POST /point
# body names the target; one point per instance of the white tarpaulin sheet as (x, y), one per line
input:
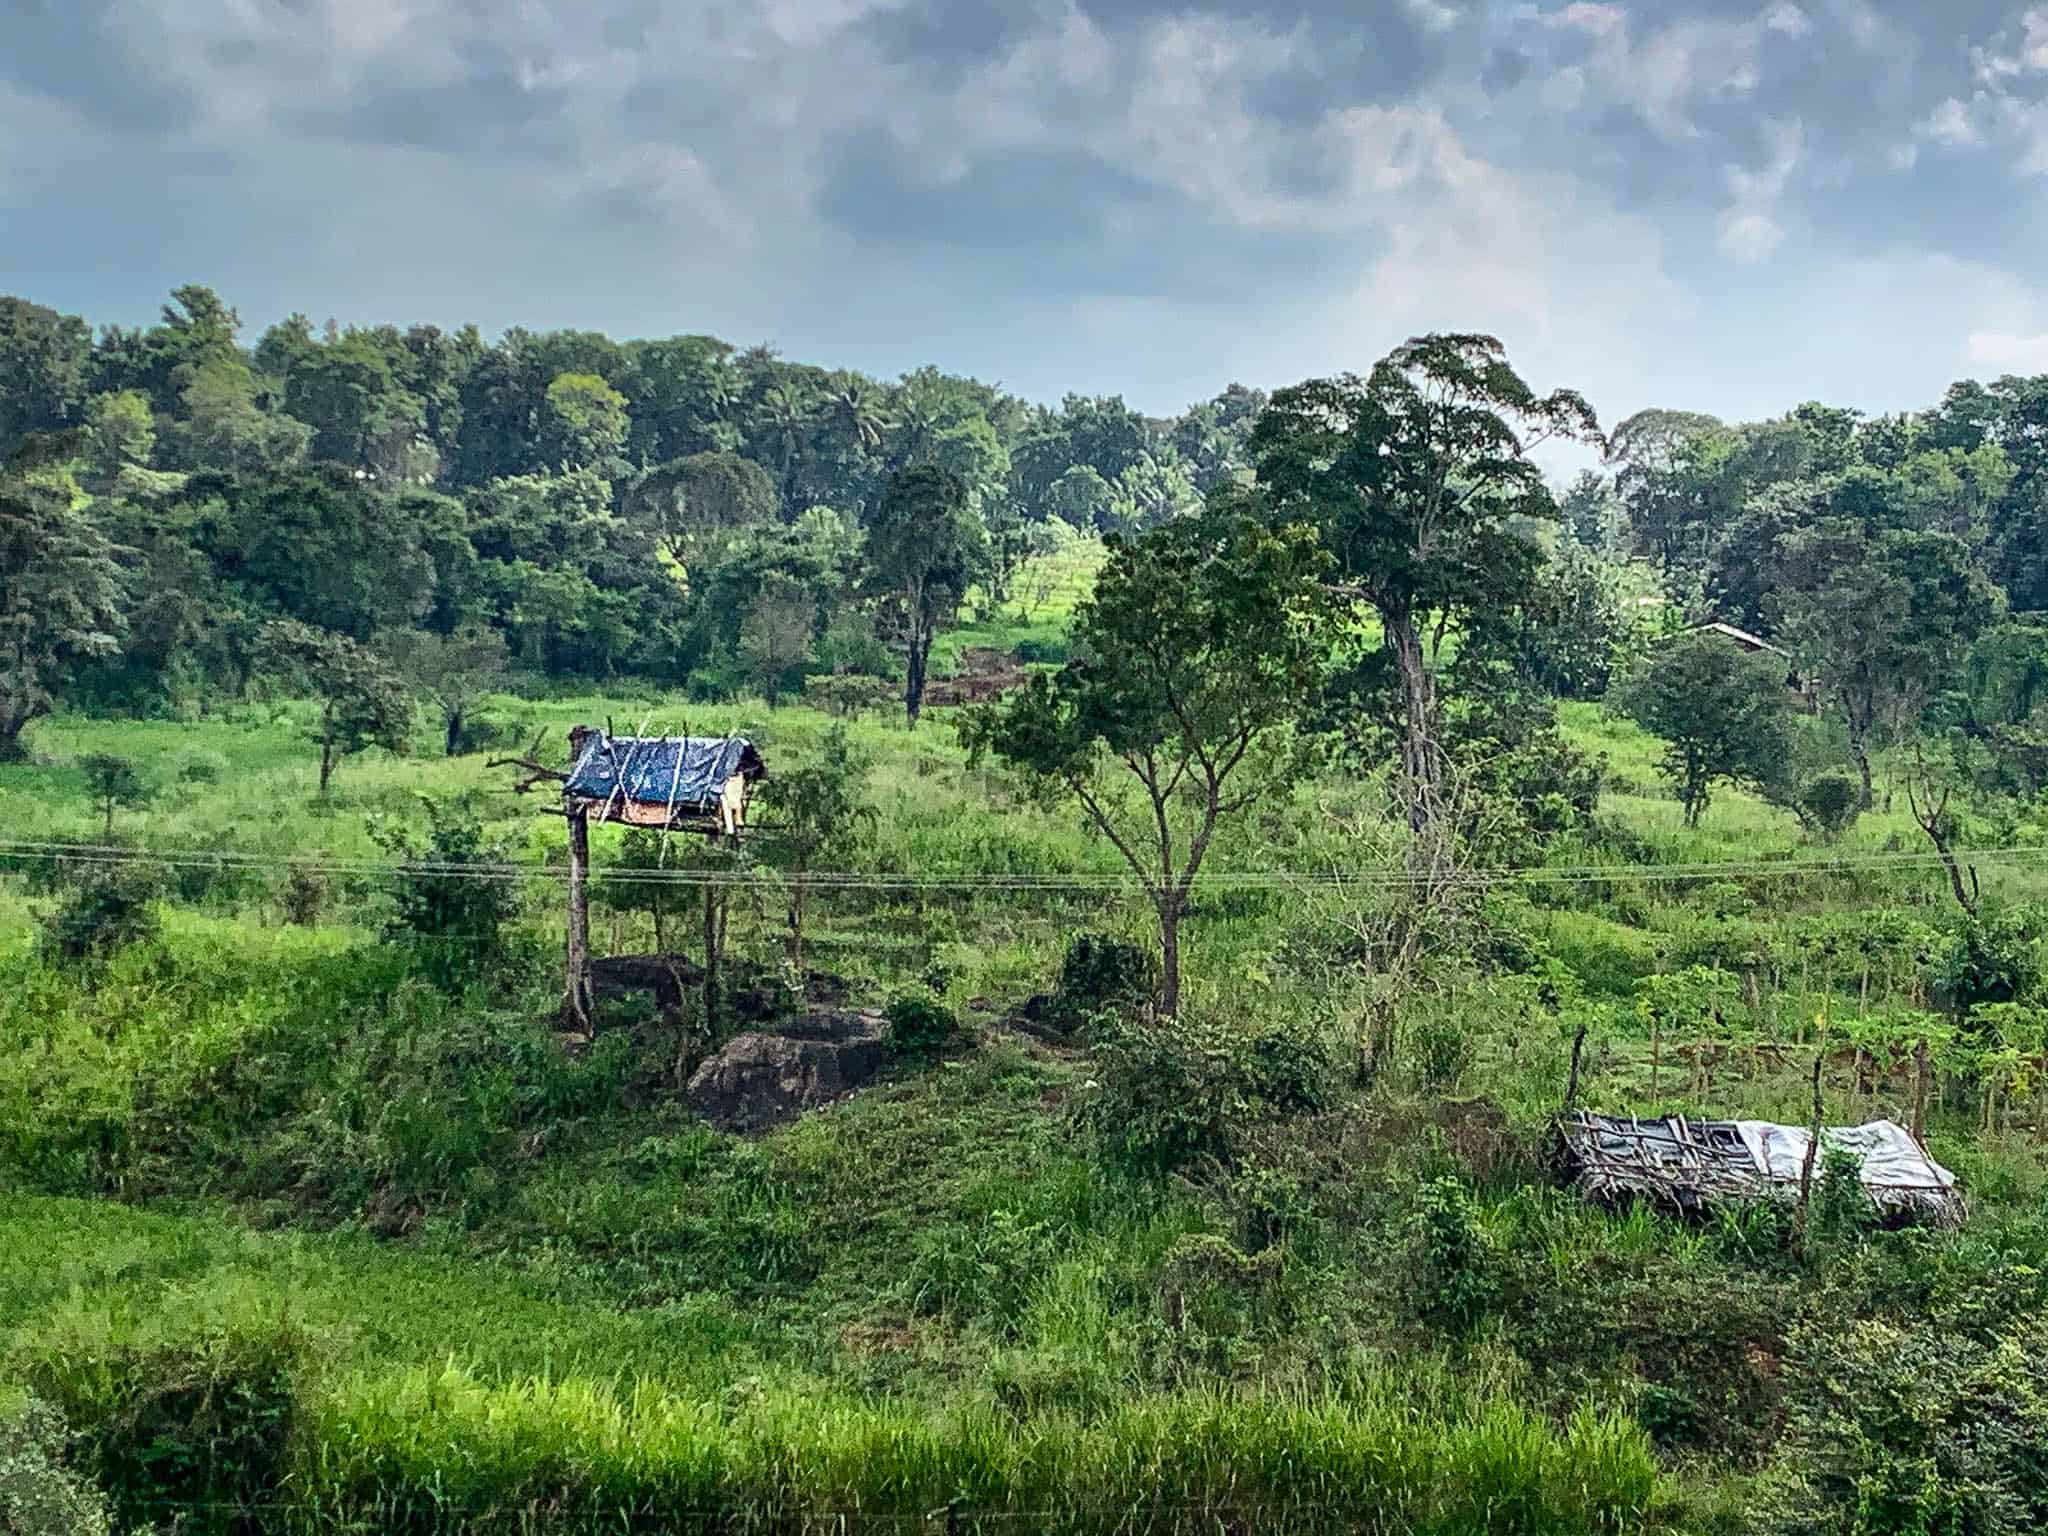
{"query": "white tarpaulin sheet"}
(1890, 1158)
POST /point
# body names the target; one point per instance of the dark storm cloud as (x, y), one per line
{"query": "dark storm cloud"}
(1545, 161)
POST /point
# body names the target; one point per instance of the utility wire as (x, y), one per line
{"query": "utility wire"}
(883, 880)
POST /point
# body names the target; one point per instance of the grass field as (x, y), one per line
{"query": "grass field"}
(299, 1240)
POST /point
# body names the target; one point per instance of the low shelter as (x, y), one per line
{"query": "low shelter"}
(1690, 1165)
(666, 782)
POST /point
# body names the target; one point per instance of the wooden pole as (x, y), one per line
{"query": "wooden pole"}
(1571, 1087)
(578, 956)
(1920, 1075)
(1812, 1144)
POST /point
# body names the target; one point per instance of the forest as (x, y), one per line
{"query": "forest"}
(1122, 1077)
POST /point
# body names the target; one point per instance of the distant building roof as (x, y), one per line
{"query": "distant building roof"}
(1741, 637)
(651, 780)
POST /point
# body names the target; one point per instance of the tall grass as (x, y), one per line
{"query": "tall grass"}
(438, 1451)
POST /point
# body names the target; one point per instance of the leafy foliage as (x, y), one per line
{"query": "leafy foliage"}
(1722, 711)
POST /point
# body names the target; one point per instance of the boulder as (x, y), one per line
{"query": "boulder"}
(767, 1078)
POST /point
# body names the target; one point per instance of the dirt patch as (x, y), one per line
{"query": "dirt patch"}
(1477, 1130)
(983, 674)
(764, 1079)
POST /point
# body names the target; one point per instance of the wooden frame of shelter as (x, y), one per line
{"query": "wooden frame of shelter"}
(1690, 1165)
(668, 783)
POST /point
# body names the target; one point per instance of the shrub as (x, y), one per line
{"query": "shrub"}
(113, 906)
(482, 730)
(1453, 1261)
(39, 1494)
(201, 766)
(1033, 651)
(847, 695)
(173, 1410)
(1177, 1092)
(1101, 972)
(1830, 804)
(920, 1024)
(304, 893)
(444, 901)
(1927, 1429)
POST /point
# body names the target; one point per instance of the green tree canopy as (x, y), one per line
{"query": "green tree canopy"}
(1198, 653)
(1724, 714)
(1414, 476)
(61, 590)
(924, 550)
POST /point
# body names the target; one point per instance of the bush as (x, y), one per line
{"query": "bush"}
(304, 893)
(445, 904)
(1035, 651)
(1830, 804)
(484, 730)
(39, 1494)
(113, 906)
(1926, 1429)
(920, 1024)
(847, 695)
(1453, 1261)
(173, 1410)
(1100, 972)
(1177, 1092)
(201, 766)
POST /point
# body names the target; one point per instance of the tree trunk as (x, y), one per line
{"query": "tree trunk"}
(1169, 954)
(12, 723)
(796, 929)
(920, 651)
(1418, 749)
(326, 764)
(711, 947)
(453, 741)
(1920, 1082)
(578, 956)
(1860, 745)
(110, 819)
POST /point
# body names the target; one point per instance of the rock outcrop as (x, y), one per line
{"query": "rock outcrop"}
(767, 1078)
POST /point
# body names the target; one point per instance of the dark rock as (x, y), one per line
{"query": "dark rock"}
(665, 978)
(761, 1079)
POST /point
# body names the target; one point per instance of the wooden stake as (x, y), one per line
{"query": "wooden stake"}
(578, 957)
(1920, 1075)
(1812, 1145)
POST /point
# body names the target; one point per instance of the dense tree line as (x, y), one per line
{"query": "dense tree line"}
(678, 509)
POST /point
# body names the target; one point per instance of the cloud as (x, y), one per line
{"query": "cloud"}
(1750, 230)
(1218, 185)
(2009, 354)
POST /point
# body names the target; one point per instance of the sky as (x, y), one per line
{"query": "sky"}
(1717, 205)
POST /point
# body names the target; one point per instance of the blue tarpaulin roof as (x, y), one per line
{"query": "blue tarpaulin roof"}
(689, 772)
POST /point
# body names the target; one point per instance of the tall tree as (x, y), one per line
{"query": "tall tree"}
(694, 505)
(1723, 712)
(1201, 650)
(925, 548)
(61, 598)
(1415, 476)
(452, 671)
(1881, 621)
(120, 437)
(584, 425)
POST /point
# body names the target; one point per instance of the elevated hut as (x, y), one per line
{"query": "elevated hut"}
(672, 783)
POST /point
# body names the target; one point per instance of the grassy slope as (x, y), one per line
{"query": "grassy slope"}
(939, 1246)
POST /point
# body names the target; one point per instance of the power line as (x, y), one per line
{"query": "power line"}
(1074, 881)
